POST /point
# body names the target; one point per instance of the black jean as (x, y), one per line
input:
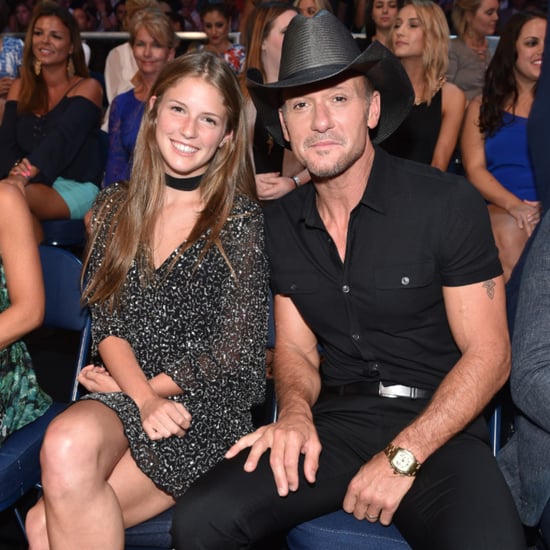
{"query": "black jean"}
(458, 501)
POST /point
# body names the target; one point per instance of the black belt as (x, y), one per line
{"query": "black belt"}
(378, 388)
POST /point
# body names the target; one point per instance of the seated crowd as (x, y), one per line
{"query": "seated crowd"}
(392, 180)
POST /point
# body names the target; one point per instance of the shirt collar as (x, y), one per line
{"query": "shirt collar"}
(375, 196)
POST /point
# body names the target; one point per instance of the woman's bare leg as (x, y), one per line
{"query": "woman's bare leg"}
(92, 488)
(46, 203)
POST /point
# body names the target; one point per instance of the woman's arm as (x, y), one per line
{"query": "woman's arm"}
(19, 252)
(453, 104)
(475, 164)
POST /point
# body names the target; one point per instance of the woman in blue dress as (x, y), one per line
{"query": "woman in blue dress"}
(153, 43)
(494, 140)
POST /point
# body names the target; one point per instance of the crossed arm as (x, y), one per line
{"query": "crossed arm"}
(477, 319)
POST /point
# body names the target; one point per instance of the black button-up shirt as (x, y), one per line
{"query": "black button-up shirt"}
(380, 314)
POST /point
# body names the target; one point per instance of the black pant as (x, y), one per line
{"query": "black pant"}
(458, 501)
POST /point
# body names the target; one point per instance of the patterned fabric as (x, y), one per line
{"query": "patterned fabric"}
(11, 55)
(234, 56)
(21, 399)
(203, 325)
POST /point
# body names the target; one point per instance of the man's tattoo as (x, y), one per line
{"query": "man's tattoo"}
(490, 288)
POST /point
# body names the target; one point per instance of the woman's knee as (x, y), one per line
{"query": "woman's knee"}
(70, 451)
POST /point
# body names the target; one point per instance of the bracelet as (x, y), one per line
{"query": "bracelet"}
(296, 181)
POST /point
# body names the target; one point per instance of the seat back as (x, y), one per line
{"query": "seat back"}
(19, 455)
(62, 272)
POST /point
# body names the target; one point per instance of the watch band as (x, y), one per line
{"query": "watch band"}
(296, 181)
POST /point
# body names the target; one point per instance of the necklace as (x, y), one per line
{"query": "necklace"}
(183, 184)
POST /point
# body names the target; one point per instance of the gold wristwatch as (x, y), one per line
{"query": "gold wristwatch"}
(402, 460)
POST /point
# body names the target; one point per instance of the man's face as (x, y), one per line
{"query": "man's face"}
(328, 127)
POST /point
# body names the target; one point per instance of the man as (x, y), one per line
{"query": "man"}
(390, 266)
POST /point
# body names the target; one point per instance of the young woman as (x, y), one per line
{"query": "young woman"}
(429, 134)
(469, 51)
(494, 140)
(308, 8)
(50, 135)
(153, 43)
(376, 19)
(216, 23)
(21, 310)
(177, 284)
(277, 170)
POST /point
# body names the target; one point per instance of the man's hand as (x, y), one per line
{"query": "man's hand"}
(376, 491)
(292, 435)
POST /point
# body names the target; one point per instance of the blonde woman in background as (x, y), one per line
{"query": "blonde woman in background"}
(470, 51)
(430, 132)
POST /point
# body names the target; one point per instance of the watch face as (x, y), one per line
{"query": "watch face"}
(404, 461)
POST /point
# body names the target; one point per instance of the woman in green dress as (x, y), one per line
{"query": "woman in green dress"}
(21, 310)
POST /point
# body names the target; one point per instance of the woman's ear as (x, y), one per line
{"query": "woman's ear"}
(226, 138)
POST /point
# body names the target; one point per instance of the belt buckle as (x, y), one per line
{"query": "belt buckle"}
(392, 392)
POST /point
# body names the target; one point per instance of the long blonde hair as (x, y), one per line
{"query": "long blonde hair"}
(229, 173)
(435, 55)
(461, 8)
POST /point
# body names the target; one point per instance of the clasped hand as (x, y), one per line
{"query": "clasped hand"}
(160, 417)
(292, 435)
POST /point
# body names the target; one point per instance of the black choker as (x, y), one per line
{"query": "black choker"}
(183, 184)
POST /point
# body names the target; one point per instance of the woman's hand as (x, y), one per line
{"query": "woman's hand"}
(97, 379)
(272, 185)
(162, 418)
(527, 214)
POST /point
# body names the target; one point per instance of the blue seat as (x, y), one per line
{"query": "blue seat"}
(19, 455)
(64, 233)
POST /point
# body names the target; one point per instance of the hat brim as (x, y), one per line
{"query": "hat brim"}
(383, 70)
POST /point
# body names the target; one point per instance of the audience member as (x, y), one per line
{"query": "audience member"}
(153, 42)
(391, 267)
(494, 140)
(120, 15)
(21, 310)
(470, 51)
(216, 23)
(120, 64)
(177, 285)
(11, 54)
(277, 170)
(524, 458)
(50, 135)
(376, 19)
(23, 16)
(190, 16)
(429, 134)
(308, 8)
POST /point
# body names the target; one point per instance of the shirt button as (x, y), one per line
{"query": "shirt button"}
(405, 281)
(345, 289)
(355, 336)
(292, 286)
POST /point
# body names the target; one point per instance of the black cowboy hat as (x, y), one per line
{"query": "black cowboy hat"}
(319, 48)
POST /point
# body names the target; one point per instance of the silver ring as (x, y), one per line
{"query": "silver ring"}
(373, 517)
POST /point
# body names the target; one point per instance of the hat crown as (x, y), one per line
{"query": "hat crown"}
(312, 42)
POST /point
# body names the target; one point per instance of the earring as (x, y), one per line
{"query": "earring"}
(37, 66)
(70, 67)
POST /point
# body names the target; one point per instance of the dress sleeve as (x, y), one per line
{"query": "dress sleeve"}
(228, 366)
(64, 141)
(105, 322)
(9, 150)
(117, 158)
